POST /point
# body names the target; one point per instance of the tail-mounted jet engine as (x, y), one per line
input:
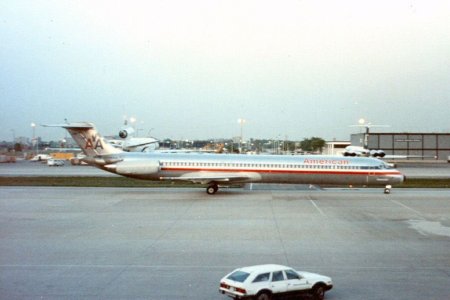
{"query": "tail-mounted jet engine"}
(377, 153)
(124, 133)
(135, 168)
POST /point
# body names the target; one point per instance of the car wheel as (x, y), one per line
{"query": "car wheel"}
(318, 292)
(263, 296)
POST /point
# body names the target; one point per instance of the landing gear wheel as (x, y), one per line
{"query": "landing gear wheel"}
(387, 189)
(212, 189)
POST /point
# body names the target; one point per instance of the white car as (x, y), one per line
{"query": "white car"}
(263, 282)
(55, 163)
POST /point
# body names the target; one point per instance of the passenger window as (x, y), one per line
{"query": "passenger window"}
(277, 276)
(262, 277)
(291, 274)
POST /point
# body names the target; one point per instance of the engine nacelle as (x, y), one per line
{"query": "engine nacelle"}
(377, 153)
(137, 167)
(349, 154)
(124, 133)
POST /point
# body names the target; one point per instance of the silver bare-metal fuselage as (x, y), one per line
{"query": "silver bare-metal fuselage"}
(203, 168)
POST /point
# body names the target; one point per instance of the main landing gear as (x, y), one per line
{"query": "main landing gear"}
(212, 189)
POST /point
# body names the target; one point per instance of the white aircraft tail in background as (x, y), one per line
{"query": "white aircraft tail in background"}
(129, 143)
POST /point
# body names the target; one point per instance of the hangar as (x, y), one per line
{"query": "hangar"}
(427, 146)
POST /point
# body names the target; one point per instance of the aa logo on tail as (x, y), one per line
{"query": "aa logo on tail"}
(93, 143)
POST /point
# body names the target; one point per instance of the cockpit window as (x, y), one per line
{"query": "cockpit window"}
(385, 166)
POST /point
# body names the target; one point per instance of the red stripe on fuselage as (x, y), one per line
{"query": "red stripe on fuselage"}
(272, 171)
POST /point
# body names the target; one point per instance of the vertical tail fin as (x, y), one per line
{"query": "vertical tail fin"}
(89, 140)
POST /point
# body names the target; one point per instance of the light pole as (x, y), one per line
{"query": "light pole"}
(241, 122)
(133, 121)
(33, 141)
(14, 138)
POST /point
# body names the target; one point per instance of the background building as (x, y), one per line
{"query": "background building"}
(430, 146)
(335, 147)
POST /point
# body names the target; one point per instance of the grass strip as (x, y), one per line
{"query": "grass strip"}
(98, 181)
(442, 183)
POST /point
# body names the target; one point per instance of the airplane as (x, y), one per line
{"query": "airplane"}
(226, 169)
(134, 144)
(361, 151)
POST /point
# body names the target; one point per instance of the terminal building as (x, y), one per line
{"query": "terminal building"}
(422, 146)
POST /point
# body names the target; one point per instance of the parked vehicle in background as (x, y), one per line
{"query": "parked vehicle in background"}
(264, 282)
(78, 160)
(7, 159)
(55, 162)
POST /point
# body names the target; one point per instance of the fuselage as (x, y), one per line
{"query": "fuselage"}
(315, 169)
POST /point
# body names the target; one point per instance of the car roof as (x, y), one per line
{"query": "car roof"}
(263, 268)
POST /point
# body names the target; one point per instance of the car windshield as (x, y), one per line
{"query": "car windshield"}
(238, 276)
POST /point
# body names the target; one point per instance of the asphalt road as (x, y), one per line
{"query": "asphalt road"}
(28, 168)
(117, 243)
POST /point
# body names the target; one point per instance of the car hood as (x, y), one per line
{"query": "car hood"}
(315, 277)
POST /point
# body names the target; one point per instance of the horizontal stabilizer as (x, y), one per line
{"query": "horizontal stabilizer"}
(79, 125)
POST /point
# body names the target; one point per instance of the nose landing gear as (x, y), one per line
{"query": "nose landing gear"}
(387, 189)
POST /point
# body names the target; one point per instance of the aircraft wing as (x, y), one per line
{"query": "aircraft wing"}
(219, 177)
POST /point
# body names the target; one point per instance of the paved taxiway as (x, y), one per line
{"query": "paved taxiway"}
(117, 243)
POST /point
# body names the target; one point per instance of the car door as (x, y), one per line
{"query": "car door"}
(295, 283)
(279, 283)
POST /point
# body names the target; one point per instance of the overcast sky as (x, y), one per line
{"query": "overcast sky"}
(191, 69)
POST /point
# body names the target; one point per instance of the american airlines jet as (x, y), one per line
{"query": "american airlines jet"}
(225, 169)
